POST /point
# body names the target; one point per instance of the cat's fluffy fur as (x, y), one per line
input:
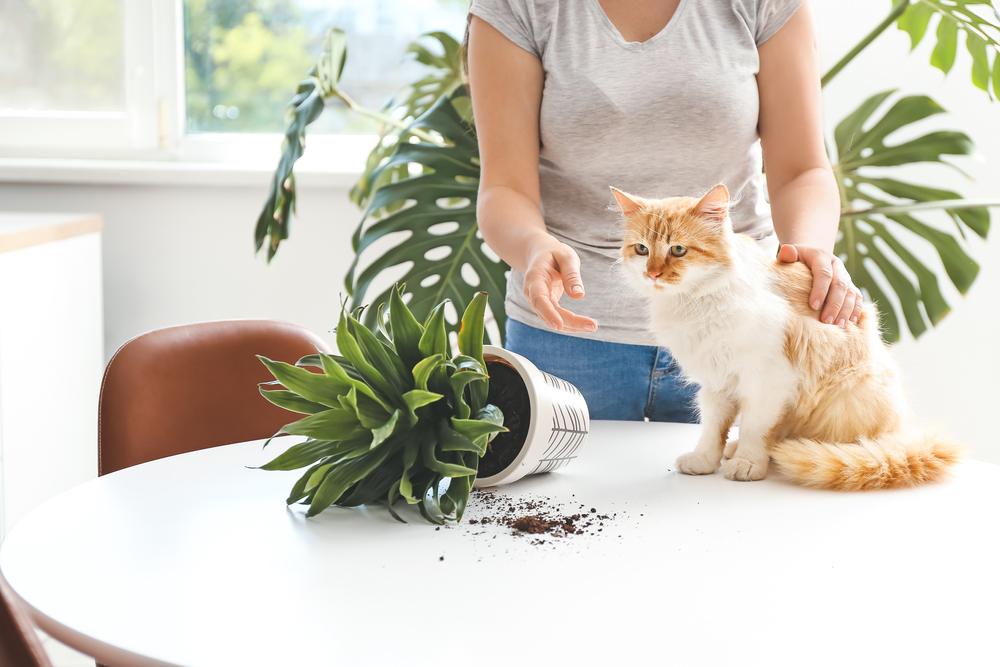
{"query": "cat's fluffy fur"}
(823, 402)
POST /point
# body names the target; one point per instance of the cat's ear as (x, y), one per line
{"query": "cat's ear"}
(714, 205)
(629, 204)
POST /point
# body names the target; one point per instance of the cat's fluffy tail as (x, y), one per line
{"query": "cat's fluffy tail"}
(890, 461)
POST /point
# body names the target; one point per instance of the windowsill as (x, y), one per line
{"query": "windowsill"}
(202, 160)
(162, 173)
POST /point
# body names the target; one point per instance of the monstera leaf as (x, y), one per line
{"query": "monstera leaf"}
(306, 106)
(978, 21)
(428, 220)
(315, 93)
(441, 54)
(881, 210)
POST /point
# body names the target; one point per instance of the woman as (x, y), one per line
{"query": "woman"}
(658, 98)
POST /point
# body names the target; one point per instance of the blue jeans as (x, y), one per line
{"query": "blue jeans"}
(619, 381)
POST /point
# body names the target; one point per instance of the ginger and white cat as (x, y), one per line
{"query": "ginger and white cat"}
(823, 402)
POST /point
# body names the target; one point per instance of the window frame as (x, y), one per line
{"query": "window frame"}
(140, 127)
(152, 126)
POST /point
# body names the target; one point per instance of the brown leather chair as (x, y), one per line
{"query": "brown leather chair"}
(191, 387)
(19, 645)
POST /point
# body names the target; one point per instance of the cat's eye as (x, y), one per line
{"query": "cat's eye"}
(678, 250)
(640, 249)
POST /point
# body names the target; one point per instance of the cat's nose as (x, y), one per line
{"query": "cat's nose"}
(654, 273)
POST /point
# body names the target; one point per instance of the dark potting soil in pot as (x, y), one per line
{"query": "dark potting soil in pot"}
(509, 393)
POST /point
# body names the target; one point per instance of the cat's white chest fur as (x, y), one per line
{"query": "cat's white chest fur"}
(729, 339)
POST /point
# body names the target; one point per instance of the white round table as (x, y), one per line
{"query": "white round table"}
(194, 560)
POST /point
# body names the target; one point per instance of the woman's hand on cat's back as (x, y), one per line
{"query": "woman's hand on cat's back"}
(554, 270)
(832, 287)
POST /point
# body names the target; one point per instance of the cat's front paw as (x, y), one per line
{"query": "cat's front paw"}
(743, 469)
(697, 463)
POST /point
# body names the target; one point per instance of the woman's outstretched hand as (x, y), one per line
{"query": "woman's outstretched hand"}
(832, 289)
(554, 270)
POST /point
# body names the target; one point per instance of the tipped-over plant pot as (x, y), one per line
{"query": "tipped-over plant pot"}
(546, 419)
(400, 415)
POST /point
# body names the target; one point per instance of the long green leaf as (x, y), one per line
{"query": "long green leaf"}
(385, 431)
(301, 455)
(456, 498)
(422, 372)
(451, 440)
(472, 331)
(418, 398)
(351, 349)
(411, 449)
(343, 476)
(299, 489)
(310, 386)
(431, 461)
(335, 368)
(434, 340)
(382, 356)
(474, 428)
(332, 424)
(370, 413)
(291, 401)
(406, 330)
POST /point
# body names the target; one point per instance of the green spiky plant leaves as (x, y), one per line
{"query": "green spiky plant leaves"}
(397, 416)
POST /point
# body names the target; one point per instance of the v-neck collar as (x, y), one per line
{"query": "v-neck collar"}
(620, 39)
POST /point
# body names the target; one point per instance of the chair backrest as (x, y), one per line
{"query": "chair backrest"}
(191, 387)
(19, 645)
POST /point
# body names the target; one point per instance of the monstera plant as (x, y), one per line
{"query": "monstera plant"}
(421, 177)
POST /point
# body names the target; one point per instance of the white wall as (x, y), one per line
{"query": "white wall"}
(952, 371)
(180, 254)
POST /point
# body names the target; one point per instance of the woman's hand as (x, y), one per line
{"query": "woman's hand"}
(832, 288)
(553, 270)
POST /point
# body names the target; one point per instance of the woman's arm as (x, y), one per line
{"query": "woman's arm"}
(805, 202)
(506, 83)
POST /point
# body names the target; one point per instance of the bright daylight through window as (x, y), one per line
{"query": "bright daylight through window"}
(62, 55)
(125, 74)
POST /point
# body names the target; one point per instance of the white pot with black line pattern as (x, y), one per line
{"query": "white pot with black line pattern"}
(547, 418)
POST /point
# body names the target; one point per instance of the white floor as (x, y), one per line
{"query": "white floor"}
(62, 655)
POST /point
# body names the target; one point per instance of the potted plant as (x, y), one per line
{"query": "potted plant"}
(398, 415)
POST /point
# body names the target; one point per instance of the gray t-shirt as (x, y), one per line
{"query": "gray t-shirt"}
(673, 115)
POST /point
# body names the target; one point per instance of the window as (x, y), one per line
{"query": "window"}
(77, 73)
(148, 77)
(242, 58)
(63, 55)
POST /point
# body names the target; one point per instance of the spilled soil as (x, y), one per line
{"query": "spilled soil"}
(537, 517)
